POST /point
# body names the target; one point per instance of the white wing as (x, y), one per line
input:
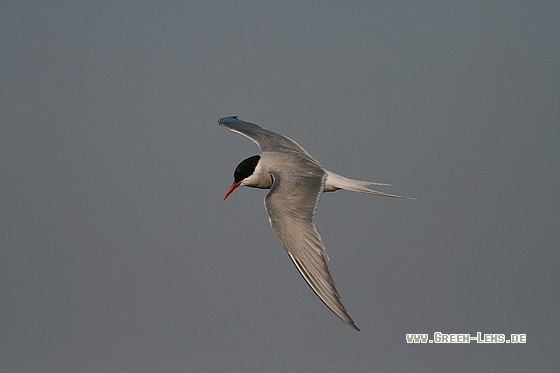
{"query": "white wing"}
(265, 139)
(291, 205)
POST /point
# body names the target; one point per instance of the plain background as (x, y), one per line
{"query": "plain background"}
(118, 255)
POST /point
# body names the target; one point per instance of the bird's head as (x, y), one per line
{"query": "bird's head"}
(242, 172)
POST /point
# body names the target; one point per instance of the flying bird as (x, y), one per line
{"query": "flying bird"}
(296, 182)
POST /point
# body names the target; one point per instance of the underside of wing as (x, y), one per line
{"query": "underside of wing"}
(291, 205)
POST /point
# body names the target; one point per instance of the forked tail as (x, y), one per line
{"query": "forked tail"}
(335, 182)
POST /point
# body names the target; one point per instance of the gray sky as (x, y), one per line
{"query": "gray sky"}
(118, 255)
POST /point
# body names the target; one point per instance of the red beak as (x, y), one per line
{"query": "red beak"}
(231, 189)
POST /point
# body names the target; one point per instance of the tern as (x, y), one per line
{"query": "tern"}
(296, 182)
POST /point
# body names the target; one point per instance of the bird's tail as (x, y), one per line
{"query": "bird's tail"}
(335, 182)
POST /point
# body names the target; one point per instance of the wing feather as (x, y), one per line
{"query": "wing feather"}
(291, 205)
(265, 139)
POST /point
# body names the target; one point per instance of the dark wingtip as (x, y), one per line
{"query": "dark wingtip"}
(224, 120)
